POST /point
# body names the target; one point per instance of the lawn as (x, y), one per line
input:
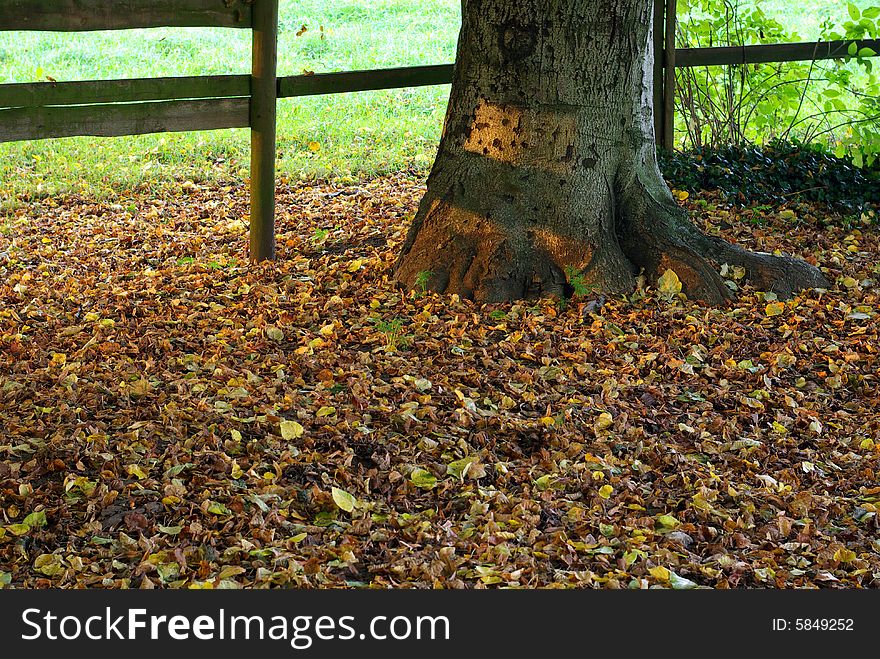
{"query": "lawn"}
(359, 134)
(174, 417)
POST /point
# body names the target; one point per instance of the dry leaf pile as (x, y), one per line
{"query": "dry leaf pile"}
(175, 417)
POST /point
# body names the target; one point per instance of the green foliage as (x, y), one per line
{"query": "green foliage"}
(775, 173)
(422, 280)
(393, 332)
(577, 281)
(831, 103)
(576, 286)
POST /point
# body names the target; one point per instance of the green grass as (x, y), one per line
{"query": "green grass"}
(359, 134)
(805, 18)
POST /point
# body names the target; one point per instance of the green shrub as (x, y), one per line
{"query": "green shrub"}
(831, 103)
(775, 173)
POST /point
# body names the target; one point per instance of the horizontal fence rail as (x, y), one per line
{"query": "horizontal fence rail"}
(37, 94)
(91, 92)
(359, 81)
(84, 15)
(95, 93)
(768, 53)
(39, 110)
(116, 119)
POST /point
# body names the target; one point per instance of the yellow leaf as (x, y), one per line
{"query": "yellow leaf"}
(660, 573)
(606, 491)
(314, 147)
(604, 421)
(343, 499)
(423, 478)
(274, 333)
(136, 471)
(326, 411)
(546, 481)
(547, 420)
(218, 509)
(668, 521)
(48, 564)
(291, 430)
(775, 309)
(844, 555)
(355, 265)
(681, 195)
(231, 571)
(669, 284)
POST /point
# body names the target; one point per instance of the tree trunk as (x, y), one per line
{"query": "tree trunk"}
(547, 166)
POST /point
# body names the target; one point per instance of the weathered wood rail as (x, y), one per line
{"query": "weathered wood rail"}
(40, 110)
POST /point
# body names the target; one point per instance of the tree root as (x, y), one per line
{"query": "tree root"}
(658, 235)
(454, 250)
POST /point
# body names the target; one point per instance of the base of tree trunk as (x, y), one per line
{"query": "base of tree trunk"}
(453, 249)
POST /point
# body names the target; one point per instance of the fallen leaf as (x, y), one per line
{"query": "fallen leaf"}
(343, 499)
(669, 285)
(291, 430)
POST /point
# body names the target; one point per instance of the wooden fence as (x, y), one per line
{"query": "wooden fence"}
(32, 111)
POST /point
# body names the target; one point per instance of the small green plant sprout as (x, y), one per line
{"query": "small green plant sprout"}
(577, 282)
(759, 215)
(393, 332)
(422, 280)
(320, 235)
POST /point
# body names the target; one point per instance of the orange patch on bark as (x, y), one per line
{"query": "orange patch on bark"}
(529, 137)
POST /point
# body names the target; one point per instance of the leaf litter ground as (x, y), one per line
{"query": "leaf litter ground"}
(175, 417)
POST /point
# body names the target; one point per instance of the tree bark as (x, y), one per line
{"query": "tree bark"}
(547, 166)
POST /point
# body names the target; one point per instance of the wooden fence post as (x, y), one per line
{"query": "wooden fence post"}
(659, 76)
(264, 94)
(669, 81)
